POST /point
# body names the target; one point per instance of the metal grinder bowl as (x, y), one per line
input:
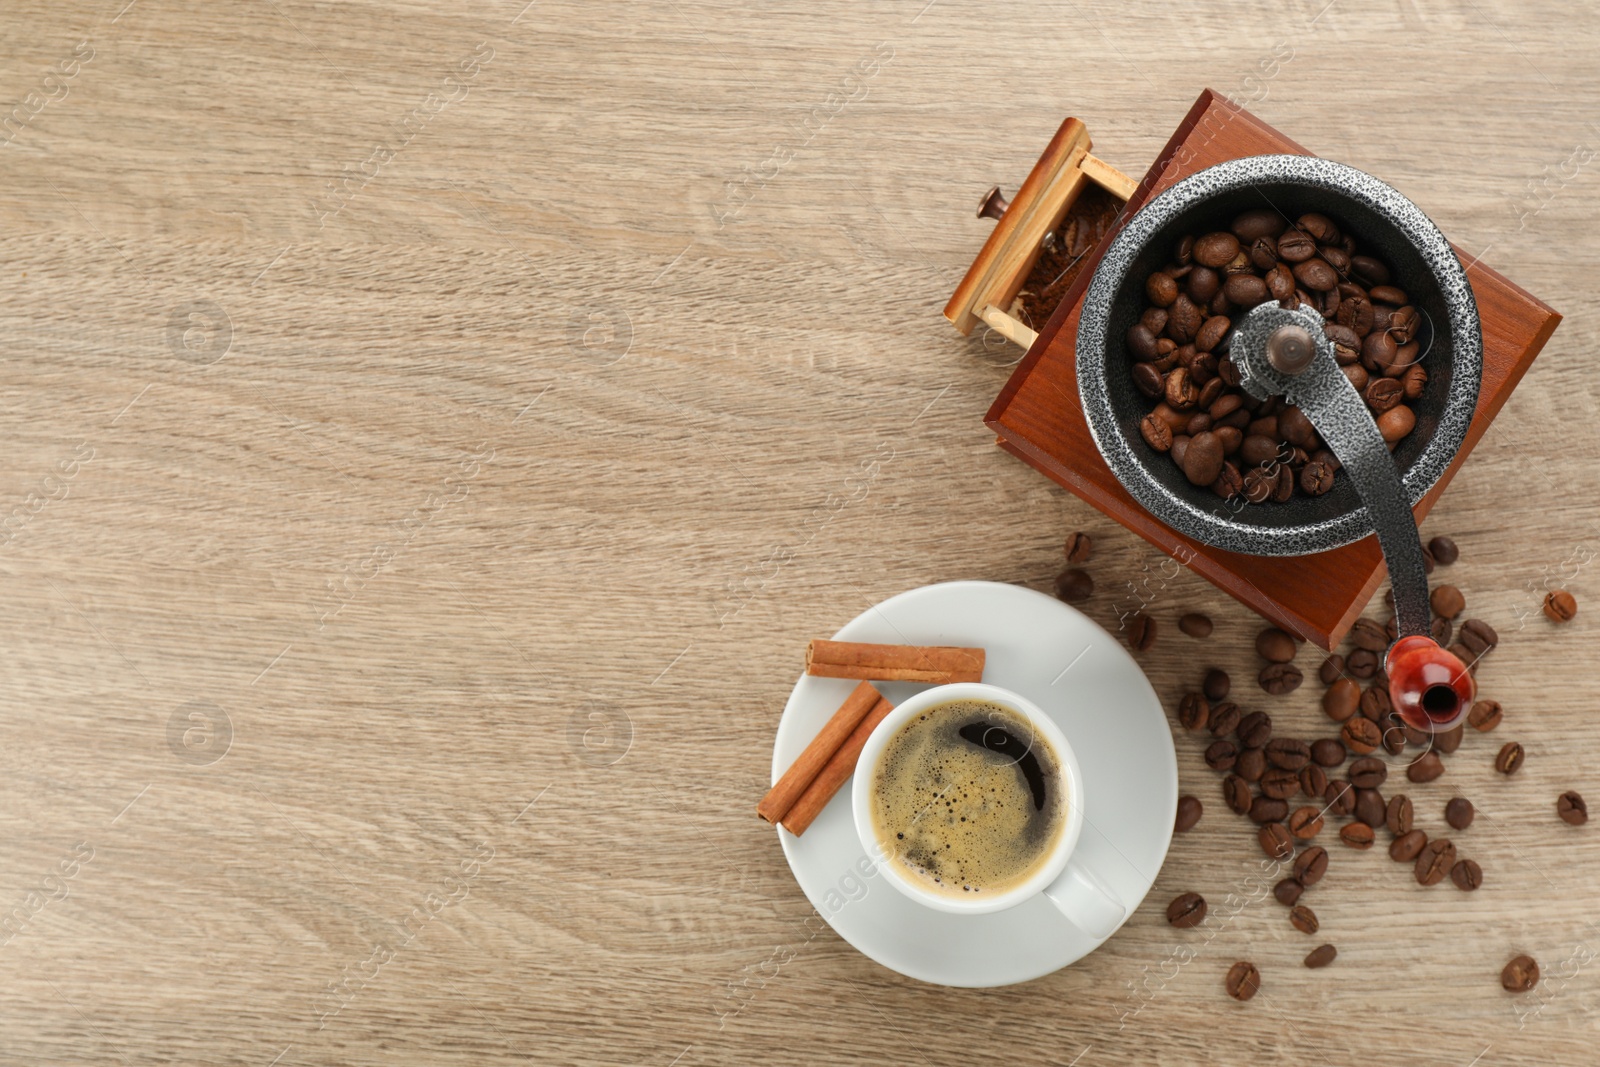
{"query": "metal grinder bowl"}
(1385, 224)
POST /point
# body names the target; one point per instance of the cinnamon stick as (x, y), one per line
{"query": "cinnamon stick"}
(894, 663)
(804, 770)
(835, 773)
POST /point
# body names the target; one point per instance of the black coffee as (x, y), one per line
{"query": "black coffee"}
(967, 798)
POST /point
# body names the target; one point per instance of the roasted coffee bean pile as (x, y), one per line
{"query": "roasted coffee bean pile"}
(1338, 778)
(1219, 435)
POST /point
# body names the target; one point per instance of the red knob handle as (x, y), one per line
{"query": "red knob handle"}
(1429, 687)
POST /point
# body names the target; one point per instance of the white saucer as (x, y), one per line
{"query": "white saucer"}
(1086, 681)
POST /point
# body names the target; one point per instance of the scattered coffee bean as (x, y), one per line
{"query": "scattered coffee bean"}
(1195, 625)
(1519, 976)
(1467, 875)
(1193, 711)
(1221, 755)
(1313, 780)
(1399, 815)
(1216, 684)
(1394, 734)
(1288, 753)
(1331, 670)
(1186, 910)
(1280, 678)
(1371, 807)
(1435, 861)
(1449, 740)
(1478, 637)
(1408, 846)
(1459, 813)
(1425, 768)
(1356, 835)
(1572, 809)
(1268, 809)
(1361, 735)
(1305, 823)
(1447, 600)
(1362, 664)
(1189, 809)
(1287, 892)
(1275, 645)
(1303, 919)
(1327, 752)
(1485, 715)
(1375, 703)
(1224, 718)
(1079, 548)
(1340, 797)
(1074, 585)
(1342, 699)
(1280, 784)
(1510, 758)
(1251, 765)
(1321, 956)
(1311, 865)
(1368, 772)
(1444, 550)
(1369, 635)
(1560, 606)
(1255, 729)
(1275, 841)
(1141, 632)
(1243, 981)
(1236, 794)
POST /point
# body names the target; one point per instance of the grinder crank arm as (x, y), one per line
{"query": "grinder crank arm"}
(1283, 352)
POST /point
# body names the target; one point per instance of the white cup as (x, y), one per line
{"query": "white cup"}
(1081, 895)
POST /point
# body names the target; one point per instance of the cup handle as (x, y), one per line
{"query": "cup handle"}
(1087, 902)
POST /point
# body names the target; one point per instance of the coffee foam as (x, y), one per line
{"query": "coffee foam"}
(956, 814)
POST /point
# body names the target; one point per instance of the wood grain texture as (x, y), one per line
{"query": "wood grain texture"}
(554, 407)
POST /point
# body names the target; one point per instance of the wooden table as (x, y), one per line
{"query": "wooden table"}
(433, 435)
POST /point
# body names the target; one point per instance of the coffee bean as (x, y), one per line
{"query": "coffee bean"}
(1383, 394)
(1243, 981)
(1216, 684)
(1415, 380)
(1342, 699)
(1510, 758)
(1316, 478)
(1074, 585)
(1305, 823)
(1255, 729)
(1408, 846)
(1186, 910)
(1327, 752)
(1193, 711)
(1288, 753)
(1195, 625)
(1399, 815)
(1449, 740)
(1361, 735)
(1444, 550)
(1313, 780)
(1572, 809)
(1370, 807)
(1221, 755)
(1361, 663)
(1275, 645)
(1560, 606)
(1189, 809)
(1356, 835)
(1478, 636)
(1331, 669)
(1447, 600)
(1079, 547)
(1303, 919)
(1245, 290)
(1252, 765)
(1266, 809)
(1250, 226)
(1467, 875)
(1485, 715)
(1369, 635)
(1340, 797)
(1275, 841)
(1215, 249)
(1156, 433)
(1296, 246)
(1425, 768)
(1280, 678)
(1434, 861)
(1519, 976)
(1224, 718)
(1375, 704)
(1279, 784)
(1161, 288)
(1311, 865)
(1287, 892)
(1368, 772)
(1458, 813)
(1321, 956)
(1141, 632)
(1236, 792)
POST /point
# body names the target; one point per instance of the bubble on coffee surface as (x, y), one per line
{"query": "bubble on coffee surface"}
(968, 798)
